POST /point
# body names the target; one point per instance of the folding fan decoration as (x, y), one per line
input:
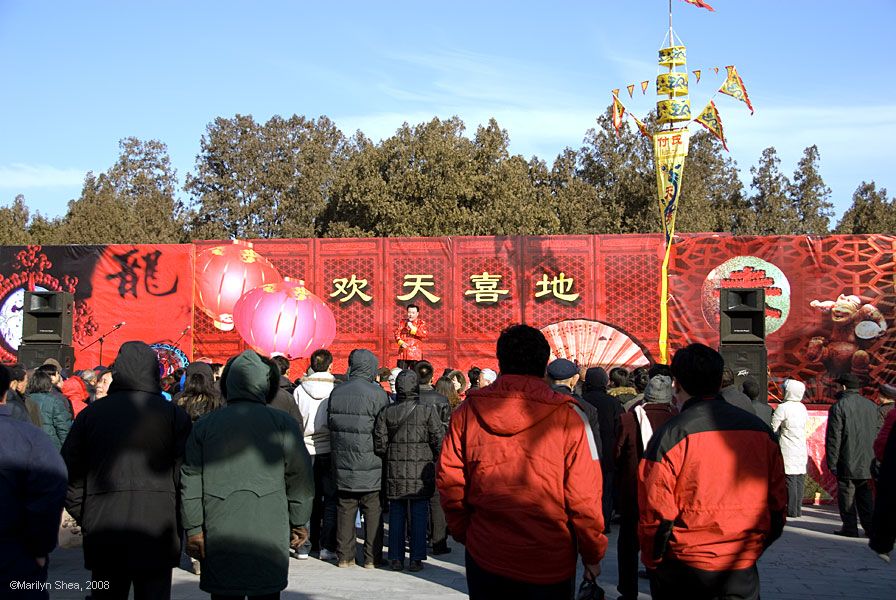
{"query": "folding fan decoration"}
(593, 344)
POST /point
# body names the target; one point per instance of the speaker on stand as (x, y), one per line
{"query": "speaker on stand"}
(742, 334)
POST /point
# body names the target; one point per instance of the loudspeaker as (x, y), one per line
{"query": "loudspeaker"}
(48, 318)
(742, 316)
(746, 360)
(32, 356)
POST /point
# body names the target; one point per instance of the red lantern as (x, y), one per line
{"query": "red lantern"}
(286, 318)
(224, 274)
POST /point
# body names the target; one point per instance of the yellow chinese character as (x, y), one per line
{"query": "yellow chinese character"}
(349, 288)
(485, 288)
(418, 285)
(559, 287)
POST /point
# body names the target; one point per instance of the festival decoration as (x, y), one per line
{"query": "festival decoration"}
(670, 143)
(734, 87)
(284, 317)
(854, 327)
(712, 121)
(224, 274)
(631, 89)
(644, 85)
(593, 344)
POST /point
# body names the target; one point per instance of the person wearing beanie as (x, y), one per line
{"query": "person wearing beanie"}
(487, 377)
(562, 375)
(849, 449)
(635, 431)
(789, 424)
(246, 485)
(609, 410)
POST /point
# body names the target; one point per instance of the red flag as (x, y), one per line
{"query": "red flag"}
(701, 4)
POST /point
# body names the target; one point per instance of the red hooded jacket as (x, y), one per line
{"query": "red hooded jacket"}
(75, 390)
(520, 482)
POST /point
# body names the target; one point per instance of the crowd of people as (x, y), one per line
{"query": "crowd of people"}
(239, 468)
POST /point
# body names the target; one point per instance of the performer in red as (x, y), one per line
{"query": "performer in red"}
(411, 331)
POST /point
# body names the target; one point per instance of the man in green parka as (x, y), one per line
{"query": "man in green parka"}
(246, 486)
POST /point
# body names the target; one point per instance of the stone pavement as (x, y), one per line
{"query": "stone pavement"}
(807, 562)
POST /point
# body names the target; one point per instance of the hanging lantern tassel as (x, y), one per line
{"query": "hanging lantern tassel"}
(284, 317)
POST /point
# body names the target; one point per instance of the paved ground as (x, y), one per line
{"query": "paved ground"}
(807, 562)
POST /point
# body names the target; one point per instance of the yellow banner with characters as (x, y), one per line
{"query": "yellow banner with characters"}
(670, 149)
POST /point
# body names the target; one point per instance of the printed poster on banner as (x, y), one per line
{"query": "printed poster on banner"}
(670, 149)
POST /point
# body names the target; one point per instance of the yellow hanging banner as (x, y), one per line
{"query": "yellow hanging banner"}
(669, 150)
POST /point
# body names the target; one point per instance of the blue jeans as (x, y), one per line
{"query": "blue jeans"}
(398, 512)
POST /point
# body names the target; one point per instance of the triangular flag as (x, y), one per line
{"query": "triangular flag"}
(716, 69)
(631, 90)
(734, 87)
(697, 73)
(641, 127)
(711, 119)
(616, 92)
(701, 4)
(644, 86)
(618, 112)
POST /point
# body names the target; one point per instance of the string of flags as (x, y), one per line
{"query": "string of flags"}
(709, 117)
(645, 85)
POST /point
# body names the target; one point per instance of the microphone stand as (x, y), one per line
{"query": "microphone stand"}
(101, 339)
(182, 334)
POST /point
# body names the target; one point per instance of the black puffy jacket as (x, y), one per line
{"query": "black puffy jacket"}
(409, 436)
(849, 440)
(432, 398)
(351, 416)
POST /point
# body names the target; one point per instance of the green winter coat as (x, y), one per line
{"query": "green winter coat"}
(245, 481)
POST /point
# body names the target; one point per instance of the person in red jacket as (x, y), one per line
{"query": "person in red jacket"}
(519, 480)
(711, 493)
(408, 335)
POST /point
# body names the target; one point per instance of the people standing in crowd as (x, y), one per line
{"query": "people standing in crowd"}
(703, 525)
(200, 395)
(55, 416)
(789, 424)
(473, 377)
(32, 491)
(409, 335)
(639, 379)
(562, 375)
(887, 397)
(886, 400)
(408, 436)
(460, 382)
(246, 486)
(852, 427)
(430, 397)
(103, 381)
(732, 394)
(283, 364)
(312, 396)
(353, 409)
(609, 411)
(523, 516)
(88, 376)
(758, 399)
(445, 387)
(636, 429)
(123, 456)
(620, 386)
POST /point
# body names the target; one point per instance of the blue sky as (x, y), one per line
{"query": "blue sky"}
(79, 76)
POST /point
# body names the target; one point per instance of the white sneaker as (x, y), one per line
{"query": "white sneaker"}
(302, 555)
(327, 555)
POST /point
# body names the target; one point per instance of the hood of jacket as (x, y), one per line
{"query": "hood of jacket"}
(514, 403)
(794, 390)
(362, 363)
(596, 379)
(75, 389)
(136, 368)
(247, 377)
(318, 385)
(406, 387)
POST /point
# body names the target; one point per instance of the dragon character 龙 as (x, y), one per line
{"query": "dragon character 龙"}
(854, 326)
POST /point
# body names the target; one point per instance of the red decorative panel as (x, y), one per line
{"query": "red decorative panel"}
(549, 265)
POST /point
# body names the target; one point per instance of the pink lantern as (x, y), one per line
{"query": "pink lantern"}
(284, 317)
(224, 274)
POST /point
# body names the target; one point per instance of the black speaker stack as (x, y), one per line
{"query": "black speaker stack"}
(47, 329)
(742, 334)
